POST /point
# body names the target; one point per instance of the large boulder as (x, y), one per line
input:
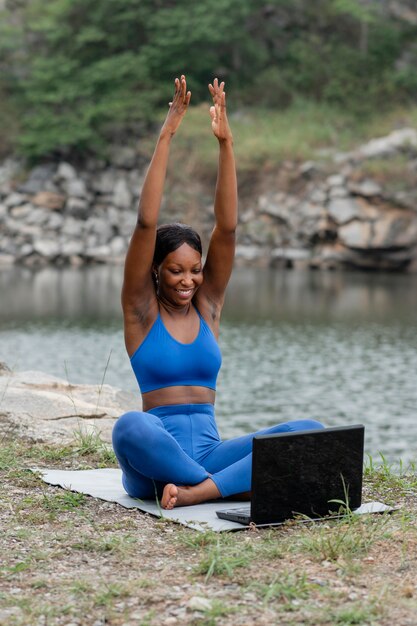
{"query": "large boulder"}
(40, 407)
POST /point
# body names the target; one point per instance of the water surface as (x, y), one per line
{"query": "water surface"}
(339, 347)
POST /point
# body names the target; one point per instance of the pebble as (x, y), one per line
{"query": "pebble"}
(196, 603)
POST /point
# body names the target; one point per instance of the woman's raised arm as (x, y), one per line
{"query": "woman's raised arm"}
(137, 286)
(220, 255)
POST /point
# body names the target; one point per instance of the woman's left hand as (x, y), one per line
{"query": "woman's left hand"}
(219, 122)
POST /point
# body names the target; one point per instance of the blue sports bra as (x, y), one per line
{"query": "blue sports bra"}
(162, 361)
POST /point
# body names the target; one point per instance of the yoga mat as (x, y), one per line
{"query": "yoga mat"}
(106, 484)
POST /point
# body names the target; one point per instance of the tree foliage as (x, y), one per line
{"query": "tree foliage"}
(82, 72)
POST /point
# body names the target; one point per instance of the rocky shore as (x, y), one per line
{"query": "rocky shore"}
(356, 209)
(38, 407)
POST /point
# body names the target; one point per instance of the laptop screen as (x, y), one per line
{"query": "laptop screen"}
(302, 472)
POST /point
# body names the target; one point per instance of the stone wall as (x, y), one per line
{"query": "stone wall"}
(327, 213)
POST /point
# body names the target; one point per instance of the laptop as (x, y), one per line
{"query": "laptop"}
(305, 473)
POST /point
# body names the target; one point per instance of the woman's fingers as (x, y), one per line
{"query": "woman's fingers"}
(216, 90)
(181, 95)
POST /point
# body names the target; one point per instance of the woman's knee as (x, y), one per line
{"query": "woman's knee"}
(129, 426)
(306, 424)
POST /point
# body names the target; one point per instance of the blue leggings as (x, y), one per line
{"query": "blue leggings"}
(180, 444)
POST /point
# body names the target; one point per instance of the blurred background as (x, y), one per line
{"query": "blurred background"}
(321, 313)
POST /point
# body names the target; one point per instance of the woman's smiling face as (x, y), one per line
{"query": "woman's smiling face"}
(180, 275)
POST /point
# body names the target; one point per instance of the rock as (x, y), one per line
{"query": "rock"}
(404, 138)
(71, 227)
(127, 223)
(395, 229)
(38, 216)
(406, 199)
(38, 178)
(336, 180)
(49, 200)
(308, 168)
(123, 156)
(290, 257)
(72, 248)
(338, 192)
(15, 199)
(366, 188)
(48, 248)
(118, 246)
(104, 182)
(101, 254)
(356, 234)
(55, 221)
(249, 252)
(343, 210)
(122, 197)
(65, 171)
(40, 407)
(99, 227)
(318, 196)
(8, 169)
(21, 212)
(76, 188)
(113, 216)
(197, 603)
(77, 207)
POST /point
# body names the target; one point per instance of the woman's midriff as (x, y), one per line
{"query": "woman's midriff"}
(177, 395)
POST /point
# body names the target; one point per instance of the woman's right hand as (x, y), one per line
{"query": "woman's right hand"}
(178, 106)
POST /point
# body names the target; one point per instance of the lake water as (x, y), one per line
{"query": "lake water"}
(339, 347)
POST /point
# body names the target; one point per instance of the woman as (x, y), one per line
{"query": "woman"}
(172, 306)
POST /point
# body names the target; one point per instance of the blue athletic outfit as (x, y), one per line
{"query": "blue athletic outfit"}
(180, 443)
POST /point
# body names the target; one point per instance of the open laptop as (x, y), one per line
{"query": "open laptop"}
(301, 473)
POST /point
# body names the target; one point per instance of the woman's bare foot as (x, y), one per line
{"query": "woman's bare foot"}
(174, 495)
(169, 496)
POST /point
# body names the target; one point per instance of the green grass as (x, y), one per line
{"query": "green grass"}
(266, 138)
(223, 557)
(284, 587)
(125, 567)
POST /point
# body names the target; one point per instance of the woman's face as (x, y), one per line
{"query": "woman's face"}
(180, 275)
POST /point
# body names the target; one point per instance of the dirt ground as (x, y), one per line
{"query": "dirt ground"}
(68, 559)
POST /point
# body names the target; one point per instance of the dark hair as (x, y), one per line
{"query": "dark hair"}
(169, 237)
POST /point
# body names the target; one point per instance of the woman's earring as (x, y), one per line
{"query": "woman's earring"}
(155, 274)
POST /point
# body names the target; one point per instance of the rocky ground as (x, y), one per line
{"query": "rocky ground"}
(68, 559)
(72, 560)
(356, 209)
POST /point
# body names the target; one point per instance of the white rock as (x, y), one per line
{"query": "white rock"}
(366, 188)
(76, 188)
(338, 192)
(343, 210)
(118, 246)
(336, 180)
(65, 171)
(41, 407)
(73, 247)
(122, 196)
(356, 234)
(398, 139)
(249, 253)
(197, 603)
(15, 199)
(48, 248)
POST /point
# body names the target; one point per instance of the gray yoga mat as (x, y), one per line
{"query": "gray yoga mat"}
(106, 484)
